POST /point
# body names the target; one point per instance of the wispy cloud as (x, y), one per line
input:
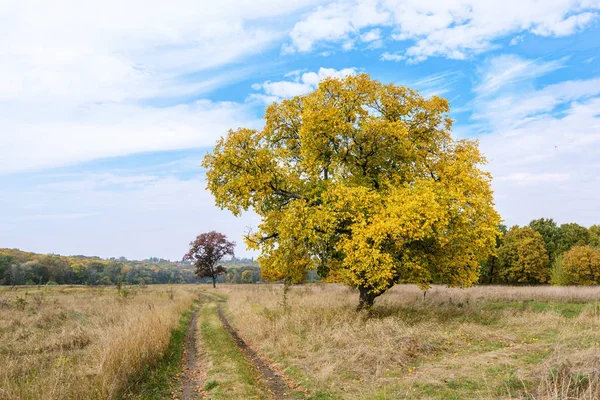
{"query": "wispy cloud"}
(516, 108)
(437, 84)
(507, 69)
(541, 141)
(112, 129)
(516, 40)
(87, 82)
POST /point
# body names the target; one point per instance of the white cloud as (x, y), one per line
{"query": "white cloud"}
(439, 28)
(542, 144)
(338, 21)
(301, 84)
(566, 26)
(507, 69)
(113, 49)
(436, 84)
(370, 36)
(548, 167)
(516, 40)
(392, 57)
(516, 108)
(76, 78)
(58, 136)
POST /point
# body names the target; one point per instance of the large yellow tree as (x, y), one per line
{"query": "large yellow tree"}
(362, 181)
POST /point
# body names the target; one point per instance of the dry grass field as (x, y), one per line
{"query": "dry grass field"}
(83, 343)
(479, 343)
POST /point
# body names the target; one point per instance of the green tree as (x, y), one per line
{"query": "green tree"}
(572, 235)
(5, 267)
(582, 265)
(362, 181)
(551, 234)
(595, 235)
(523, 257)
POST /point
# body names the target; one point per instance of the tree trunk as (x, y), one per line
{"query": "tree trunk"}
(365, 299)
(214, 282)
(286, 289)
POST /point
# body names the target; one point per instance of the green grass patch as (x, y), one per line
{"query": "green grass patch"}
(233, 377)
(535, 357)
(322, 396)
(515, 387)
(211, 385)
(567, 309)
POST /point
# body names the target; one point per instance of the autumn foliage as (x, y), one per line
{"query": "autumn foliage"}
(523, 257)
(582, 265)
(361, 181)
(206, 251)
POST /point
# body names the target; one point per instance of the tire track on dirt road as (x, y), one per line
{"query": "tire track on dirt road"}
(277, 385)
(273, 380)
(191, 380)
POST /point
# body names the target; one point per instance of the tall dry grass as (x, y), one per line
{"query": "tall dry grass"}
(83, 343)
(482, 342)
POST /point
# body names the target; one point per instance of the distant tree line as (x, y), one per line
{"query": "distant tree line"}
(545, 252)
(541, 252)
(24, 268)
(252, 274)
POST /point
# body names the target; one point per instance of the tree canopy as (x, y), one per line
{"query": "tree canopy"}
(550, 233)
(582, 265)
(362, 181)
(206, 251)
(595, 235)
(570, 235)
(523, 257)
(26, 268)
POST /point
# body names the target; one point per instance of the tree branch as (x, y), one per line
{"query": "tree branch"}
(285, 193)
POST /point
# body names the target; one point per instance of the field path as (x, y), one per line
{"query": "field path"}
(191, 379)
(273, 380)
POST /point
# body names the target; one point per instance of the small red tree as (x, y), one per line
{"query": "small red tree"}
(206, 251)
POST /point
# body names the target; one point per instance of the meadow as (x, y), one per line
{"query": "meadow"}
(486, 342)
(61, 342)
(478, 343)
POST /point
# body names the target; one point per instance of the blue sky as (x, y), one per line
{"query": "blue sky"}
(107, 108)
